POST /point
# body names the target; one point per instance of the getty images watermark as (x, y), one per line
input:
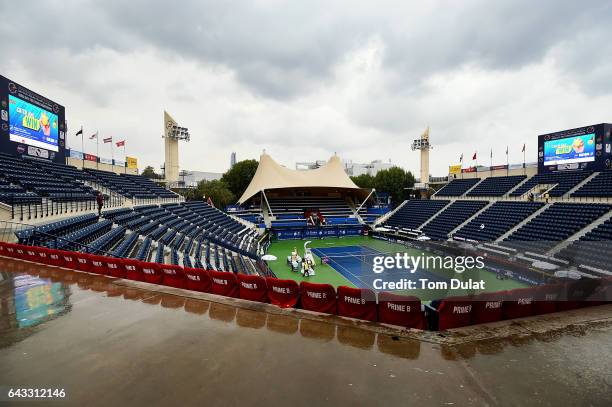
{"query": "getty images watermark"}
(407, 263)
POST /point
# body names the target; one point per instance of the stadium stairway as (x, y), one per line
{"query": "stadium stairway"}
(523, 223)
(592, 250)
(580, 233)
(387, 215)
(497, 219)
(414, 213)
(468, 220)
(495, 186)
(447, 219)
(554, 225)
(457, 187)
(587, 180)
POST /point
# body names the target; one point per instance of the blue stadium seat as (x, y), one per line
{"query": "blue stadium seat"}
(496, 220)
(496, 186)
(555, 224)
(563, 181)
(451, 217)
(414, 213)
(457, 187)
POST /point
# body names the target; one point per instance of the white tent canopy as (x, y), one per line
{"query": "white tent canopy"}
(271, 175)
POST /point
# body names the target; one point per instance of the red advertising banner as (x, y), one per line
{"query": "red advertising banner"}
(90, 157)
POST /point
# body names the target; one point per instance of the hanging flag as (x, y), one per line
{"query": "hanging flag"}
(491, 153)
(108, 140)
(120, 143)
(461, 158)
(80, 132)
(523, 148)
(94, 136)
(506, 150)
(474, 156)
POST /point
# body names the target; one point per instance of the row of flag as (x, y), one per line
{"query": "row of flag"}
(475, 156)
(94, 136)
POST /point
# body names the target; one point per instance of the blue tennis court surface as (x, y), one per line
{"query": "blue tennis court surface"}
(355, 264)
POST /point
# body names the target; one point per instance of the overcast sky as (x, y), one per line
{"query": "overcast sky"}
(306, 79)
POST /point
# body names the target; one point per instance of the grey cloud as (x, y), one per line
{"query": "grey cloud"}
(282, 50)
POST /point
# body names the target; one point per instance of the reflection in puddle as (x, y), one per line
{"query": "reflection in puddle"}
(41, 293)
(317, 330)
(247, 318)
(356, 337)
(402, 347)
(27, 300)
(222, 312)
(196, 306)
(282, 324)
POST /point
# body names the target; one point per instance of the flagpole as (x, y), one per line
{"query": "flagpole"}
(112, 157)
(83, 149)
(124, 159)
(507, 162)
(524, 168)
(97, 151)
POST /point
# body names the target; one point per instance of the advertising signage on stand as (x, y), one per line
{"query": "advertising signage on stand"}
(31, 124)
(582, 148)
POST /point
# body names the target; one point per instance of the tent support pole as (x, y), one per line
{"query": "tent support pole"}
(263, 192)
(365, 200)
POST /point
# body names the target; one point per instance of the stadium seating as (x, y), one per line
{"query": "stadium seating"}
(592, 249)
(457, 187)
(414, 213)
(496, 186)
(452, 216)
(35, 187)
(295, 207)
(559, 182)
(599, 186)
(27, 182)
(555, 224)
(496, 220)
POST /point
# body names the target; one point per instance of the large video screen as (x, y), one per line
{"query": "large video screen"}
(569, 150)
(32, 125)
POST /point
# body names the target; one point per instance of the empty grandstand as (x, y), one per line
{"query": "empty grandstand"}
(183, 233)
(458, 187)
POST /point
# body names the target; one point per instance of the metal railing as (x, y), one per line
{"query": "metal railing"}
(49, 207)
(15, 232)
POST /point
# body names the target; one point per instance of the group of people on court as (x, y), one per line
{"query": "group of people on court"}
(303, 265)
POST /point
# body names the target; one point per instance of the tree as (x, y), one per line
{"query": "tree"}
(216, 190)
(149, 172)
(364, 181)
(239, 176)
(394, 181)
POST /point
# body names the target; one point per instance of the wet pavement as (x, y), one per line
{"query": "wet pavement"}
(108, 344)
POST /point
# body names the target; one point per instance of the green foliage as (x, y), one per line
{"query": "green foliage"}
(394, 181)
(149, 172)
(216, 190)
(364, 181)
(239, 176)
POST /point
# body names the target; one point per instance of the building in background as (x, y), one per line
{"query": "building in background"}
(351, 168)
(232, 159)
(190, 179)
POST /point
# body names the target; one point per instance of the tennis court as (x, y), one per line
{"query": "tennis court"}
(355, 264)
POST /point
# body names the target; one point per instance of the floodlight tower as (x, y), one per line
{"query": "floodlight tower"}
(423, 145)
(172, 134)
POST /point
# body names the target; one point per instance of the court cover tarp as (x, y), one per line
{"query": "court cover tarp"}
(271, 175)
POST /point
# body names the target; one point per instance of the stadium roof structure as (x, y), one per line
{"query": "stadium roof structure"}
(272, 175)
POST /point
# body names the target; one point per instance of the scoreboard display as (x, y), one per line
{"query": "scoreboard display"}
(31, 124)
(582, 148)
